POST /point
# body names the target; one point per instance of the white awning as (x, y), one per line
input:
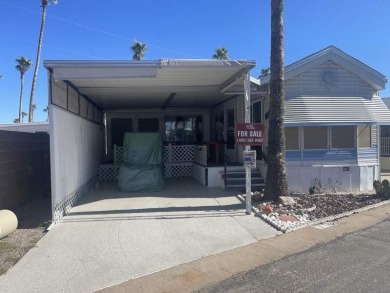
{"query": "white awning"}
(305, 111)
(161, 84)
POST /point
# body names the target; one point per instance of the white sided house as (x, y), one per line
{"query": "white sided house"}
(332, 117)
(193, 104)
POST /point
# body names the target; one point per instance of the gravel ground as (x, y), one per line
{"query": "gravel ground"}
(319, 206)
(33, 219)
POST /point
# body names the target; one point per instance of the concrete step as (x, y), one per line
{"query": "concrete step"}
(237, 180)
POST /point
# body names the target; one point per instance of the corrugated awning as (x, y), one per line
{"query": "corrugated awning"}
(303, 111)
(159, 84)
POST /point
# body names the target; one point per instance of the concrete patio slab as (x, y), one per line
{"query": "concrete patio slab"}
(111, 237)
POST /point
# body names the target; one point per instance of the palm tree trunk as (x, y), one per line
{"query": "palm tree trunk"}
(34, 81)
(276, 181)
(21, 96)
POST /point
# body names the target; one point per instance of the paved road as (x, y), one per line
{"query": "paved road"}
(358, 262)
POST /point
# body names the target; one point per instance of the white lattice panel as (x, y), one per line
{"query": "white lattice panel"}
(118, 155)
(108, 172)
(177, 170)
(178, 153)
(200, 154)
(177, 162)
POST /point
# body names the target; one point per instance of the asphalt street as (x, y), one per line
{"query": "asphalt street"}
(356, 262)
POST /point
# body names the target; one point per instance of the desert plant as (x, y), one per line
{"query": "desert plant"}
(378, 187)
(316, 188)
(382, 188)
(386, 188)
(333, 186)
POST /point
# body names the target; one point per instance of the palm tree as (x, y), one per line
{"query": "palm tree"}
(23, 64)
(265, 72)
(23, 115)
(221, 54)
(46, 109)
(276, 181)
(44, 4)
(139, 50)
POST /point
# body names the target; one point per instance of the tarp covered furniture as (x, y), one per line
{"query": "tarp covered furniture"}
(141, 170)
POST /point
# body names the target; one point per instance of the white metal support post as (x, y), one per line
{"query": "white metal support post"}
(247, 100)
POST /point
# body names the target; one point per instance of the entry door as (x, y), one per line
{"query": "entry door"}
(148, 125)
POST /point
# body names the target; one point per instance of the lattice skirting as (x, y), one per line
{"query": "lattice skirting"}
(108, 172)
(177, 170)
(64, 206)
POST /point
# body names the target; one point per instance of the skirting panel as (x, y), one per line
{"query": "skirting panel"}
(63, 207)
(108, 172)
(177, 170)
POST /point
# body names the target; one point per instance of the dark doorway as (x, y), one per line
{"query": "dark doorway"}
(148, 125)
(119, 126)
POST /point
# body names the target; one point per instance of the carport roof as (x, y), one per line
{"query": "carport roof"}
(162, 84)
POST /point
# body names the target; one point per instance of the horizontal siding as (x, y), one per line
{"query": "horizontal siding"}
(323, 156)
(369, 155)
(364, 89)
(293, 87)
(344, 81)
(293, 155)
(329, 155)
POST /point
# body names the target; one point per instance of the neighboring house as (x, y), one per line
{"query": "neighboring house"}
(332, 117)
(385, 129)
(26, 127)
(385, 143)
(193, 104)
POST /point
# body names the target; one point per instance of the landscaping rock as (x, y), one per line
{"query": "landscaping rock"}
(267, 209)
(286, 200)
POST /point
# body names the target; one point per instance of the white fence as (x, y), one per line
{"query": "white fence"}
(385, 146)
(178, 161)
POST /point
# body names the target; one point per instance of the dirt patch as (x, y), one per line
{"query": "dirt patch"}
(33, 219)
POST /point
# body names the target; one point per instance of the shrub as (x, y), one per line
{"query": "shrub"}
(382, 188)
(316, 188)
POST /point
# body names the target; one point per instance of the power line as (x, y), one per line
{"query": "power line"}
(101, 31)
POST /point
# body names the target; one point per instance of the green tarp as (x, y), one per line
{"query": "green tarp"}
(141, 169)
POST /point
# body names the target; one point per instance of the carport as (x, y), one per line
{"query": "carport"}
(88, 97)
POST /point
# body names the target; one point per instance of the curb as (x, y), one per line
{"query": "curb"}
(314, 222)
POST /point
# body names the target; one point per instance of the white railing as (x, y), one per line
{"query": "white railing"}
(385, 146)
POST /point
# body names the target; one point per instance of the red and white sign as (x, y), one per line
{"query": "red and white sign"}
(249, 134)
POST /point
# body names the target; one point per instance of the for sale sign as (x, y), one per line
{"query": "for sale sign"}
(249, 134)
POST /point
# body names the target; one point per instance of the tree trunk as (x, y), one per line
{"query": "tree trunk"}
(276, 181)
(34, 81)
(21, 97)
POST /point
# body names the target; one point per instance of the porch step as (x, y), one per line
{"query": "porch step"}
(237, 180)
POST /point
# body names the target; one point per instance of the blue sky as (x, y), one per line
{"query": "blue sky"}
(92, 30)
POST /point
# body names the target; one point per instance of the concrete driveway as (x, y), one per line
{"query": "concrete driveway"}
(111, 237)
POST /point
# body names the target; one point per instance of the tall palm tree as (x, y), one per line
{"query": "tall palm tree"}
(23, 64)
(139, 50)
(276, 181)
(46, 109)
(23, 114)
(221, 54)
(44, 4)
